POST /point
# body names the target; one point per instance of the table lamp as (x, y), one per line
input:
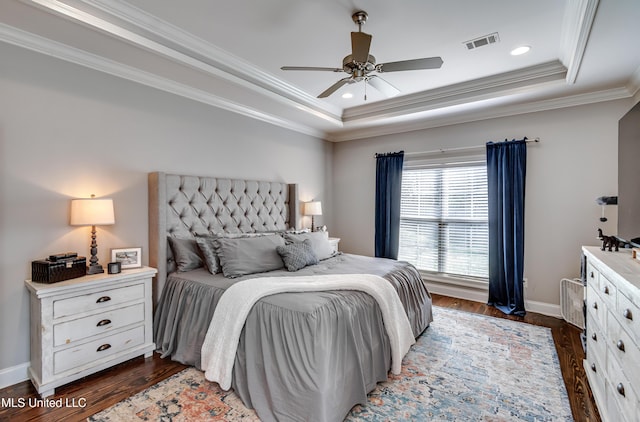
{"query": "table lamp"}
(313, 208)
(92, 212)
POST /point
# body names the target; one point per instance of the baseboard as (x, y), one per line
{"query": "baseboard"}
(475, 295)
(14, 375)
(480, 295)
(543, 308)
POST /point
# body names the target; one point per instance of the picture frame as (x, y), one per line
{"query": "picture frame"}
(127, 257)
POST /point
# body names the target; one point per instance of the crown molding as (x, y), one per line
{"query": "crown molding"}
(634, 82)
(150, 33)
(576, 27)
(76, 56)
(458, 93)
(484, 113)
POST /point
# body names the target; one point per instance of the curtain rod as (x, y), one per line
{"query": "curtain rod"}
(443, 150)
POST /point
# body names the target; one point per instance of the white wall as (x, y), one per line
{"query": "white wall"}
(66, 131)
(575, 162)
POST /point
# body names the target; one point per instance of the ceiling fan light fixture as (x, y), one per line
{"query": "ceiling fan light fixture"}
(361, 66)
(347, 95)
(518, 51)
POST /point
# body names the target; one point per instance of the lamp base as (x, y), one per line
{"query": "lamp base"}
(95, 269)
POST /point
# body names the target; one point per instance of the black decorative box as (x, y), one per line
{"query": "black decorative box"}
(58, 268)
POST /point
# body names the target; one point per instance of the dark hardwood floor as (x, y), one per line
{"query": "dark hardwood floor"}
(99, 391)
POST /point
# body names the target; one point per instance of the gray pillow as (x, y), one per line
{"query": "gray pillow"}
(208, 251)
(186, 254)
(297, 255)
(248, 255)
(206, 243)
(319, 242)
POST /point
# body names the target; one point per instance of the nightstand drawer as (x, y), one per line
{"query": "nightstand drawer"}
(97, 301)
(75, 357)
(68, 332)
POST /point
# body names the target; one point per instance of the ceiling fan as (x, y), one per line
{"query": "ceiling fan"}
(361, 66)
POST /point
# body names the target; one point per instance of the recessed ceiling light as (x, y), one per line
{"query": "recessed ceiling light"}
(347, 95)
(520, 50)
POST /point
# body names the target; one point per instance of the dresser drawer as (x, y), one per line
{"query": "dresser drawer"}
(596, 307)
(629, 315)
(96, 301)
(78, 329)
(593, 276)
(92, 351)
(595, 371)
(608, 292)
(621, 391)
(596, 340)
(624, 349)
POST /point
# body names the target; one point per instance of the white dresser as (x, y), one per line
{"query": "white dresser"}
(613, 333)
(87, 324)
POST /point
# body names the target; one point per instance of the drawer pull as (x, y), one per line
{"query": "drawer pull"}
(627, 314)
(594, 337)
(605, 290)
(595, 305)
(103, 323)
(103, 347)
(620, 389)
(593, 367)
(620, 345)
(103, 299)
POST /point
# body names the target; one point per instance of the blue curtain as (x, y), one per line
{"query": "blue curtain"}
(388, 194)
(506, 171)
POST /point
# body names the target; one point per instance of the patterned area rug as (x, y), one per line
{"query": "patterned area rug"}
(464, 367)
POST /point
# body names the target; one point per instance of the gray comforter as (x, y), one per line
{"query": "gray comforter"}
(302, 356)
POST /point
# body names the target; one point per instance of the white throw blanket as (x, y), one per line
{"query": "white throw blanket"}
(221, 342)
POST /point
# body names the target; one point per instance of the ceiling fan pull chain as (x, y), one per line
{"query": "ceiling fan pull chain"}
(365, 89)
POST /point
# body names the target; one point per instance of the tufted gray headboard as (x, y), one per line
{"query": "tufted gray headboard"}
(183, 206)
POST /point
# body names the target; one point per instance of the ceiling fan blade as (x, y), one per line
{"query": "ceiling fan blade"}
(333, 88)
(383, 86)
(415, 64)
(360, 44)
(329, 69)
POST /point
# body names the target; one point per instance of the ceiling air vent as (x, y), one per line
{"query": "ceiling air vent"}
(482, 41)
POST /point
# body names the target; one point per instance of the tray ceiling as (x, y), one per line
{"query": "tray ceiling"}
(229, 54)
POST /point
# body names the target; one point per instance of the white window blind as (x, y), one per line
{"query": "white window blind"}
(444, 219)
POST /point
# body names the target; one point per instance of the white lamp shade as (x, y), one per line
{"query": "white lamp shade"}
(313, 208)
(92, 212)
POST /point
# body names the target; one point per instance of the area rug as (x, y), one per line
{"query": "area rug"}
(465, 367)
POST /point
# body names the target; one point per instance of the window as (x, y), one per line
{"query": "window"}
(444, 218)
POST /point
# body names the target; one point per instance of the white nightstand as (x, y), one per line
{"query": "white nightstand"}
(334, 241)
(87, 324)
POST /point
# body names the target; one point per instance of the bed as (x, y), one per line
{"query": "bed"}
(301, 356)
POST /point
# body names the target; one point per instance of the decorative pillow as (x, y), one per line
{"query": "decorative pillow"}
(296, 231)
(248, 255)
(297, 255)
(208, 251)
(186, 254)
(319, 242)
